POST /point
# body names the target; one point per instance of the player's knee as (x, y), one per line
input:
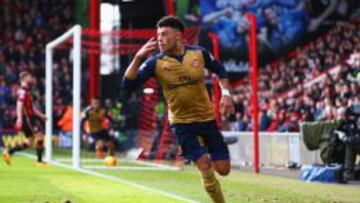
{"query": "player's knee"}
(223, 171)
(222, 167)
(40, 143)
(204, 163)
(100, 143)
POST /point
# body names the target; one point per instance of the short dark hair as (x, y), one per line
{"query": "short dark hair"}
(95, 98)
(171, 21)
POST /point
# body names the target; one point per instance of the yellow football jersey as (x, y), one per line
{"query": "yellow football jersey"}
(95, 119)
(182, 79)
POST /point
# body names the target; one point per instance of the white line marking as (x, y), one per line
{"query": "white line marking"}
(117, 179)
(140, 162)
(131, 168)
(155, 164)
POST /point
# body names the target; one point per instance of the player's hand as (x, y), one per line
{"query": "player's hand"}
(226, 106)
(148, 47)
(44, 118)
(18, 124)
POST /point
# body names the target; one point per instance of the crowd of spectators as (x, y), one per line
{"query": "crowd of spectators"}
(26, 27)
(281, 109)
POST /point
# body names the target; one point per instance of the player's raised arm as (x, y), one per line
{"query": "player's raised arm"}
(133, 76)
(213, 65)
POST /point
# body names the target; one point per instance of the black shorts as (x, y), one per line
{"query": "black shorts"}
(197, 139)
(31, 126)
(101, 135)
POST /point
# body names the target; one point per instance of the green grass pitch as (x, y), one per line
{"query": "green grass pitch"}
(24, 182)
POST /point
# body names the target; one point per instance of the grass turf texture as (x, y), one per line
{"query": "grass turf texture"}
(23, 182)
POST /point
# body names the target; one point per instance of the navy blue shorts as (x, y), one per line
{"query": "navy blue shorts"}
(197, 139)
(101, 135)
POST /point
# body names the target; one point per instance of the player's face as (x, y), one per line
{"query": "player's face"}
(29, 79)
(95, 103)
(167, 38)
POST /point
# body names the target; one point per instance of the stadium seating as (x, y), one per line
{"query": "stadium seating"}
(284, 98)
(26, 27)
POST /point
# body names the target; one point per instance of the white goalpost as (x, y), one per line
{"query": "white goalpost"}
(75, 33)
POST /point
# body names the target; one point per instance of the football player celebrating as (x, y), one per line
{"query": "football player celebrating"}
(180, 70)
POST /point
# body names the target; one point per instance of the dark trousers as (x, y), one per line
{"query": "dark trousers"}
(351, 150)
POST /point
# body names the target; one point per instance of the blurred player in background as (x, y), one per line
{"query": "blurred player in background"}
(28, 118)
(97, 124)
(180, 69)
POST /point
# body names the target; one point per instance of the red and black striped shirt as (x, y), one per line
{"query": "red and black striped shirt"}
(24, 95)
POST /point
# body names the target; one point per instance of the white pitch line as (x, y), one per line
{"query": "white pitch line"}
(116, 179)
(157, 165)
(130, 168)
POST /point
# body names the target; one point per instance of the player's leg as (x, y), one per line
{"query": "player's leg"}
(219, 160)
(99, 144)
(29, 133)
(209, 180)
(110, 142)
(111, 147)
(39, 146)
(222, 167)
(217, 148)
(18, 147)
(193, 149)
(100, 148)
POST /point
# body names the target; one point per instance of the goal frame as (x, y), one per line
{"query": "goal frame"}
(75, 34)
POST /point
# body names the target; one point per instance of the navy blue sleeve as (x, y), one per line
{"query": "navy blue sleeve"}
(146, 70)
(214, 65)
(85, 117)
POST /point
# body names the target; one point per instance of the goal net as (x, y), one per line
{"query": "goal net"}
(150, 145)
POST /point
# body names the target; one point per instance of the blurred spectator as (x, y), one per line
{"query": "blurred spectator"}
(66, 126)
(240, 124)
(264, 121)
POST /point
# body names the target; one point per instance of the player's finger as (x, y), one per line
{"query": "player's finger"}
(150, 46)
(228, 110)
(151, 41)
(225, 111)
(149, 49)
(221, 110)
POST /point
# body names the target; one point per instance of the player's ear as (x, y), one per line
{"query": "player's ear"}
(178, 35)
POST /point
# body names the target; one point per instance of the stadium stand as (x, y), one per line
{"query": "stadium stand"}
(285, 97)
(26, 27)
